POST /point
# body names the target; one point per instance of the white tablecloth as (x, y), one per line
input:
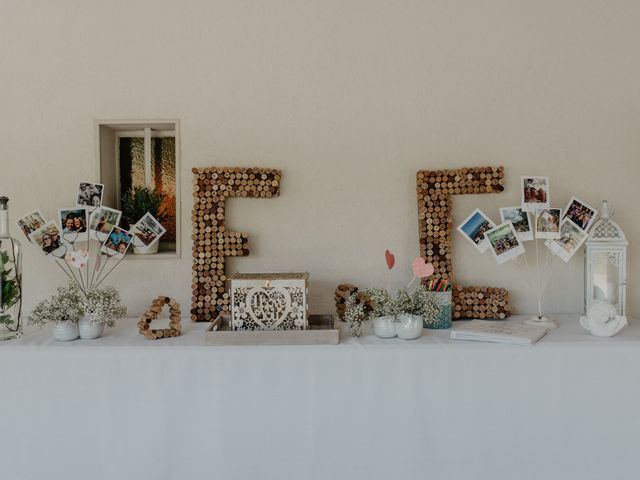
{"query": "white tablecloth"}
(123, 407)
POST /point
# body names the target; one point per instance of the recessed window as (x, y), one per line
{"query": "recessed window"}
(139, 167)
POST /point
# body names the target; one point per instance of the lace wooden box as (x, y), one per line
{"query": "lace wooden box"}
(269, 301)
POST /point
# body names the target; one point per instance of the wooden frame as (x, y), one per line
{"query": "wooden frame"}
(123, 126)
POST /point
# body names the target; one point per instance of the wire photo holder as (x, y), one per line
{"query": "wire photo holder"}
(86, 242)
(561, 231)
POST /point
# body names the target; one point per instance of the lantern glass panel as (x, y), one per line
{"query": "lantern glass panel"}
(606, 276)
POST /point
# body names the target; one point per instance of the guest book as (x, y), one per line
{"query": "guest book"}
(499, 332)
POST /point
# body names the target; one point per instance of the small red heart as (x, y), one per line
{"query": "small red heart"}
(391, 260)
(421, 269)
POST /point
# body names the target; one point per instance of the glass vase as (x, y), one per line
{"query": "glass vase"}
(10, 279)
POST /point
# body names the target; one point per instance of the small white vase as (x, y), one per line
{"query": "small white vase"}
(89, 329)
(384, 327)
(65, 331)
(409, 326)
(151, 249)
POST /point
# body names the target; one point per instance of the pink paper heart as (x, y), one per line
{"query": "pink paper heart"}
(421, 269)
(77, 259)
(391, 260)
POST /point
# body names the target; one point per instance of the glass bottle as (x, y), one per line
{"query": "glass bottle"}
(10, 278)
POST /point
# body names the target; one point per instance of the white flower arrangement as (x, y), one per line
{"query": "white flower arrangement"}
(372, 303)
(103, 305)
(418, 301)
(62, 307)
(70, 304)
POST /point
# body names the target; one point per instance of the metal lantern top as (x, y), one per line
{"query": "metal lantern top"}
(606, 232)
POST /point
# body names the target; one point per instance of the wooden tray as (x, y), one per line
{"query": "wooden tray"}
(321, 331)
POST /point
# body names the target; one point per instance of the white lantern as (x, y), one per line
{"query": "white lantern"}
(606, 263)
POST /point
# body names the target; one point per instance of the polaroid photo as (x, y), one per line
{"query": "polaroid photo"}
(102, 221)
(73, 224)
(90, 195)
(148, 230)
(49, 240)
(474, 228)
(534, 193)
(547, 224)
(504, 243)
(117, 242)
(571, 239)
(580, 213)
(31, 222)
(521, 220)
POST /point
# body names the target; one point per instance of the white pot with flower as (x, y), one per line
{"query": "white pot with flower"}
(401, 315)
(78, 315)
(100, 307)
(63, 310)
(87, 257)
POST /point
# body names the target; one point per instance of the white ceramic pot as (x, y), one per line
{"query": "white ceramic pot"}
(384, 327)
(65, 331)
(88, 329)
(151, 249)
(409, 326)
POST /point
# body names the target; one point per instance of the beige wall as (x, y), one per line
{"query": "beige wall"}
(350, 99)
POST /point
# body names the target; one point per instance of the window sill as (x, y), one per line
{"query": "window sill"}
(155, 256)
(167, 251)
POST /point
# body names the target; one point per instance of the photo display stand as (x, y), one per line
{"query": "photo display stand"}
(85, 241)
(537, 279)
(562, 232)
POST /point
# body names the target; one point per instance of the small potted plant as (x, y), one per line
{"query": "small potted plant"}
(63, 309)
(135, 204)
(400, 315)
(411, 308)
(101, 307)
(76, 314)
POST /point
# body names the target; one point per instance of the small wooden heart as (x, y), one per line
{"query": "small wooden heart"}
(391, 260)
(421, 269)
(175, 325)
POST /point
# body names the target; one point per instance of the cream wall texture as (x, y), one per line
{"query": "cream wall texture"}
(349, 99)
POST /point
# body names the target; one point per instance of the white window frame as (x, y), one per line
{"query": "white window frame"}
(147, 133)
(146, 129)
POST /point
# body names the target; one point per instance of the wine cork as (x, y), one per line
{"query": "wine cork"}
(212, 187)
(153, 313)
(435, 190)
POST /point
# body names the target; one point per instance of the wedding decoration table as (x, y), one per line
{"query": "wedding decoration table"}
(123, 407)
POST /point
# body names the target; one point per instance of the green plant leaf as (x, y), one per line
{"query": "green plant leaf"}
(140, 200)
(10, 293)
(6, 320)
